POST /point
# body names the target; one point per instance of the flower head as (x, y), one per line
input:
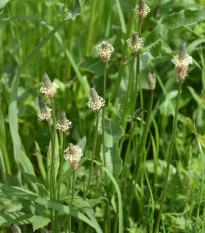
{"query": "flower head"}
(95, 102)
(138, 112)
(152, 80)
(142, 9)
(48, 88)
(45, 112)
(63, 123)
(73, 154)
(182, 62)
(135, 43)
(105, 50)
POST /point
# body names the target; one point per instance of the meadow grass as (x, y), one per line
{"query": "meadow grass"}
(139, 171)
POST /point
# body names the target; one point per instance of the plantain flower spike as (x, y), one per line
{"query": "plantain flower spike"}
(135, 43)
(105, 50)
(48, 88)
(73, 154)
(152, 80)
(142, 9)
(45, 112)
(95, 102)
(138, 112)
(15, 228)
(182, 62)
(63, 123)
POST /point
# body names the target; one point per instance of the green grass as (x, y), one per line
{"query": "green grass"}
(128, 174)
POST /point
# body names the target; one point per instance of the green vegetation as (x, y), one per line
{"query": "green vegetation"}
(138, 171)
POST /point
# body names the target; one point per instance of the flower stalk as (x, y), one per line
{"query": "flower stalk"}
(169, 157)
(71, 202)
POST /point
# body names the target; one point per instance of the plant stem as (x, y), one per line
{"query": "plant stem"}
(53, 157)
(71, 202)
(143, 141)
(51, 181)
(94, 148)
(91, 26)
(103, 115)
(124, 122)
(124, 57)
(169, 157)
(61, 166)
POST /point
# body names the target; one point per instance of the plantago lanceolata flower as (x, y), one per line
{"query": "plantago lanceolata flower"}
(182, 62)
(63, 123)
(95, 102)
(45, 112)
(135, 43)
(105, 50)
(73, 154)
(48, 88)
(142, 9)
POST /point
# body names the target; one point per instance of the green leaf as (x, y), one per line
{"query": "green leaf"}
(184, 18)
(197, 98)
(120, 211)
(113, 133)
(201, 139)
(3, 3)
(40, 221)
(75, 12)
(21, 193)
(19, 218)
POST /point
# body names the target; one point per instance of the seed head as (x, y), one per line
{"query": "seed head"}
(63, 123)
(105, 50)
(48, 88)
(73, 154)
(135, 43)
(182, 62)
(138, 112)
(95, 102)
(152, 80)
(45, 112)
(142, 9)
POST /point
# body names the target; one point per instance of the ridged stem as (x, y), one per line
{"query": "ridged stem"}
(124, 122)
(93, 154)
(53, 158)
(71, 202)
(124, 50)
(169, 157)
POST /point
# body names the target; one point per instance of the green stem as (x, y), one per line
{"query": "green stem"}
(124, 57)
(103, 114)
(91, 26)
(53, 157)
(51, 181)
(143, 141)
(169, 157)
(124, 122)
(71, 202)
(94, 148)
(61, 167)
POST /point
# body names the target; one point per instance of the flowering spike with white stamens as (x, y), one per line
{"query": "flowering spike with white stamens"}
(48, 88)
(63, 123)
(73, 154)
(105, 50)
(95, 102)
(142, 9)
(135, 43)
(45, 112)
(182, 62)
